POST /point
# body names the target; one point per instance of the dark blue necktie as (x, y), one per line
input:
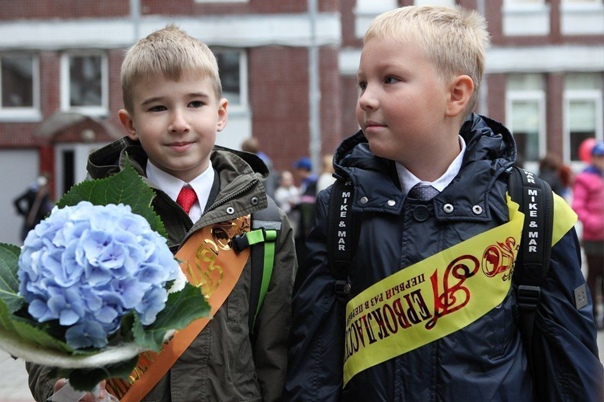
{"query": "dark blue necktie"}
(423, 192)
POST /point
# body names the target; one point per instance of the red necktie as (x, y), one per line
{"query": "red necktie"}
(186, 198)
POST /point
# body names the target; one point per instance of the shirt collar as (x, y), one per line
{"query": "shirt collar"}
(171, 185)
(408, 179)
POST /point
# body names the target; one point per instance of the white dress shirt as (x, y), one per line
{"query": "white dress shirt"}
(408, 179)
(202, 185)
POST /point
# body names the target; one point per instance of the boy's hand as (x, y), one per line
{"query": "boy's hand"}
(99, 394)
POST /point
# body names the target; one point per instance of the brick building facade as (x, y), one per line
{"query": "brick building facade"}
(60, 61)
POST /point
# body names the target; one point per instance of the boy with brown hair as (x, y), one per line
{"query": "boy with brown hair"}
(429, 305)
(173, 111)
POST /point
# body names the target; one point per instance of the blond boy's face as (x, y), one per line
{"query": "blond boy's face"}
(402, 101)
(176, 122)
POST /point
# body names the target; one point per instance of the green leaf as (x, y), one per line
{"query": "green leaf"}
(125, 187)
(182, 308)
(27, 333)
(87, 379)
(9, 282)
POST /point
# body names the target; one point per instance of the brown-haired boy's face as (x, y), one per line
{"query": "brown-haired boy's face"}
(402, 101)
(176, 122)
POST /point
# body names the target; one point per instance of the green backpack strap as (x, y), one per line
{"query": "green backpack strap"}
(266, 225)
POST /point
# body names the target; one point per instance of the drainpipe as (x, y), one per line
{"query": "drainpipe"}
(314, 91)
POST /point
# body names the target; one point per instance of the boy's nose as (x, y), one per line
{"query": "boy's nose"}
(367, 100)
(178, 123)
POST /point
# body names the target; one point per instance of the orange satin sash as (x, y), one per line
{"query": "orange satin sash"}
(209, 263)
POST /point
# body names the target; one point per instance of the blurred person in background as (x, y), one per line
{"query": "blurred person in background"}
(305, 208)
(326, 178)
(550, 169)
(34, 203)
(588, 203)
(252, 146)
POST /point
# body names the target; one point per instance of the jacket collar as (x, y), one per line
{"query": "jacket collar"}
(490, 152)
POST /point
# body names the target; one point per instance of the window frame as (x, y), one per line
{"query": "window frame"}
(101, 110)
(584, 95)
(24, 114)
(243, 105)
(220, 1)
(532, 95)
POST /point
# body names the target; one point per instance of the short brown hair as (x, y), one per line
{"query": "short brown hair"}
(169, 51)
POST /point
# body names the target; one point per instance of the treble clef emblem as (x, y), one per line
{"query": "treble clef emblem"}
(499, 258)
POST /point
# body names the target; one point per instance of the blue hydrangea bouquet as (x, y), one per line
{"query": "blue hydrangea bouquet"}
(95, 284)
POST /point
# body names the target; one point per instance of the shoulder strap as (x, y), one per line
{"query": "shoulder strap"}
(266, 225)
(341, 235)
(536, 201)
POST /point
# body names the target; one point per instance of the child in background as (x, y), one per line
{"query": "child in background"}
(173, 111)
(588, 203)
(326, 178)
(287, 194)
(430, 194)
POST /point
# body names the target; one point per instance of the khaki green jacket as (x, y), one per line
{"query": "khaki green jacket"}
(222, 364)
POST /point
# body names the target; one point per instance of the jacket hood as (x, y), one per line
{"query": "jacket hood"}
(486, 139)
(110, 159)
(490, 148)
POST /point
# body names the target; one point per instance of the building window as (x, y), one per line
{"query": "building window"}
(221, 1)
(582, 17)
(19, 84)
(366, 10)
(582, 112)
(526, 18)
(446, 3)
(232, 65)
(514, 2)
(525, 111)
(84, 85)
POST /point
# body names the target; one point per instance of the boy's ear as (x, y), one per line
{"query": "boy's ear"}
(460, 93)
(128, 123)
(222, 114)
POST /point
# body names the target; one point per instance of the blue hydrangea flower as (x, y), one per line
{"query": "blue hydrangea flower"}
(87, 266)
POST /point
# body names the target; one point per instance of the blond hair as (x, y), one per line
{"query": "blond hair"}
(171, 52)
(455, 40)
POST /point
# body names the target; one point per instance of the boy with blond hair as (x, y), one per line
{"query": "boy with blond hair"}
(428, 309)
(173, 110)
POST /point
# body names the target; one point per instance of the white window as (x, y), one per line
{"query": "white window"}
(446, 3)
(525, 112)
(221, 1)
(84, 83)
(366, 10)
(19, 87)
(232, 65)
(526, 17)
(582, 112)
(582, 17)
(522, 2)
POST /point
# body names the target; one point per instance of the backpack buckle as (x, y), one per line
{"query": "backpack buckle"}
(342, 288)
(240, 242)
(528, 297)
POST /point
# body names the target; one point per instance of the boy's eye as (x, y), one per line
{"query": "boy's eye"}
(157, 108)
(390, 80)
(196, 104)
(362, 85)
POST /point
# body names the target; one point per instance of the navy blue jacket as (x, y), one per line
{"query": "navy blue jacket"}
(486, 360)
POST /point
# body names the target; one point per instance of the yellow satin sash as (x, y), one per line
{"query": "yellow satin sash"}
(439, 295)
